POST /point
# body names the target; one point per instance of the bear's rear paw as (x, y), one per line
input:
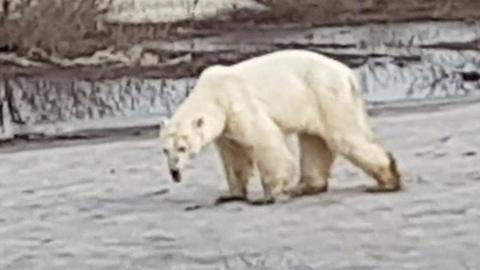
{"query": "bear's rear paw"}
(383, 189)
(229, 198)
(305, 190)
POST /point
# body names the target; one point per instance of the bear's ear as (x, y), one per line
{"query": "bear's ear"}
(163, 122)
(199, 122)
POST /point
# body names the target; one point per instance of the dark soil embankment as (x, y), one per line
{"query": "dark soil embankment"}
(140, 72)
(335, 12)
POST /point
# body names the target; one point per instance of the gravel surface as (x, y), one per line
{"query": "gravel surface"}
(111, 205)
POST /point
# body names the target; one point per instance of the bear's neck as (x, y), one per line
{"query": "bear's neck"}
(215, 122)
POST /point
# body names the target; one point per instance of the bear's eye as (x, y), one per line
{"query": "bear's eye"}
(165, 151)
(182, 149)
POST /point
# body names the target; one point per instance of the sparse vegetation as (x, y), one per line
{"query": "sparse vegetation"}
(63, 27)
(73, 28)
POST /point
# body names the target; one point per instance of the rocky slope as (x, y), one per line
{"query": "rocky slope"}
(43, 93)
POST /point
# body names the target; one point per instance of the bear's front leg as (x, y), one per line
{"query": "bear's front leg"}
(237, 166)
(273, 192)
(276, 167)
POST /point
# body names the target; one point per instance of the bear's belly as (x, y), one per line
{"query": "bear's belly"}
(303, 120)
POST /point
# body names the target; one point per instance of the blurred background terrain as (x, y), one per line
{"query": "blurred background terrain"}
(54, 30)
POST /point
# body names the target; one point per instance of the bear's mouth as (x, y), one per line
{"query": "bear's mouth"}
(176, 176)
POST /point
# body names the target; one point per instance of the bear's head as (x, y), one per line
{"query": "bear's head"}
(181, 141)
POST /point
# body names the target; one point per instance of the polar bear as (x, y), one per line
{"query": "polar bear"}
(248, 110)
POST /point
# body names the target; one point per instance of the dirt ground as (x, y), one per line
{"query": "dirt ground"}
(110, 205)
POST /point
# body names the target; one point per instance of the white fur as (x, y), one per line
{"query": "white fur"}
(249, 108)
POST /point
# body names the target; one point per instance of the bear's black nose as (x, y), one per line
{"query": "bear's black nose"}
(176, 176)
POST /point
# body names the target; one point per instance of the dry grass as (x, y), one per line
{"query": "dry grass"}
(63, 27)
(71, 28)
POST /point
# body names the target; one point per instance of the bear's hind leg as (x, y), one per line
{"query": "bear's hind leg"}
(238, 167)
(316, 160)
(374, 160)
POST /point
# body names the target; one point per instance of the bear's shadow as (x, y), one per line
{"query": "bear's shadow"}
(333, 196)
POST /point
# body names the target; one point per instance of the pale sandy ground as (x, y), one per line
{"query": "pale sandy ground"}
(103, 206)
